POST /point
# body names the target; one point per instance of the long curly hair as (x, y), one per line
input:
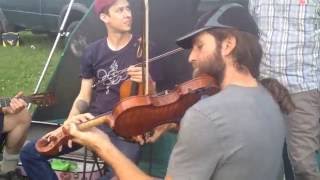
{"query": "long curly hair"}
(280, 94)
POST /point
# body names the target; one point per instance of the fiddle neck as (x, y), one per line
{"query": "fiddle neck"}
(4, 102)
(101, 119)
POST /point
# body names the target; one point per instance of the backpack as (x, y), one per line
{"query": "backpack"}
(10, 39)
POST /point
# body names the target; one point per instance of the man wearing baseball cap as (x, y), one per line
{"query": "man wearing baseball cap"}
(100, 83)
(227, 136)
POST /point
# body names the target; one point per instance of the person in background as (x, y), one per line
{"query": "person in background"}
(290, 39)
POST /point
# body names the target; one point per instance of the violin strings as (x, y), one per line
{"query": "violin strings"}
(150, 60)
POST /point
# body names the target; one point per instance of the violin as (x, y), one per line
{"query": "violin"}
(140, 114)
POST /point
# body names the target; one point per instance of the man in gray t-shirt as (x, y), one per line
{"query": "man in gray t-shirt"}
(237, 134)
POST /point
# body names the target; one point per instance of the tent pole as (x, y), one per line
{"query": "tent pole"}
(60, 33)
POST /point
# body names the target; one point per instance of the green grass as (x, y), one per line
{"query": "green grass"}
(21, 67)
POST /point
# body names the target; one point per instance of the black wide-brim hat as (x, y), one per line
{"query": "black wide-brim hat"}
(231, 15)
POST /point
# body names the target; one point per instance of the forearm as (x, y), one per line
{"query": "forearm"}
(82, 102)
(123, 167)
(79, 106)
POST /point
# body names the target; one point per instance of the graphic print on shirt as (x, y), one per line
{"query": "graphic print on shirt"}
(111, 77)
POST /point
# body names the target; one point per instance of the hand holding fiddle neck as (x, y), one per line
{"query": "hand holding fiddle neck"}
(17, 104)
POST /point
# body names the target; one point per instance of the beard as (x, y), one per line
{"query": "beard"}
(212, 65)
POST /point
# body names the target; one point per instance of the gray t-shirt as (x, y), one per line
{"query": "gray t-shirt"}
(237, 134)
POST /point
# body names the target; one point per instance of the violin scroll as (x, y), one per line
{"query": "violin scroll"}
(52, 143)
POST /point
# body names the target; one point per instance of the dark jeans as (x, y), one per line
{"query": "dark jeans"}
(287, 165)
(37, 166)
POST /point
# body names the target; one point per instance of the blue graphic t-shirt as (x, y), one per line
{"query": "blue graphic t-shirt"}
(105, 65)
